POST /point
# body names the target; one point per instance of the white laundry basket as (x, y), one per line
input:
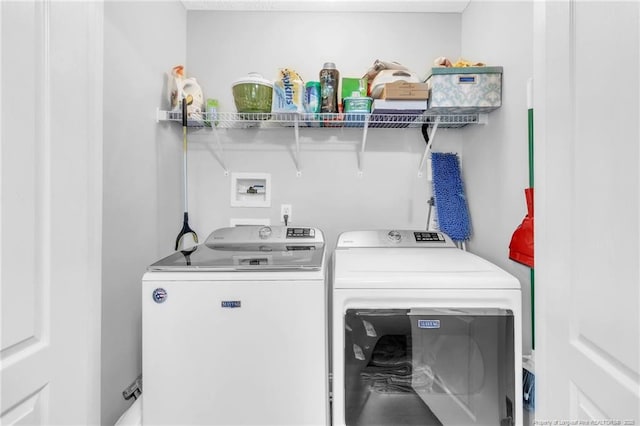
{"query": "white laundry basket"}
(133, 416)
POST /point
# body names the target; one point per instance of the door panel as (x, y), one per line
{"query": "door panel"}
(605, 294)
(606, 181)
(582, 406)
(25, 190)
(30, 411)
(20, 304)
(50, 193)
(587, 211)
(609, 384)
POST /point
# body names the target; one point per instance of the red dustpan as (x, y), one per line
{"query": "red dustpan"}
(521, 246)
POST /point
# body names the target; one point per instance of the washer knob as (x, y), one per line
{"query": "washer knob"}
(394, 236)
(264, 232)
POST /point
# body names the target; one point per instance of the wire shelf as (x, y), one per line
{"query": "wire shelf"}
(230, 120)
(295, 121)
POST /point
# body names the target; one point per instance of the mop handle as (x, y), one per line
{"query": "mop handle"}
(184, 154)
(184, 169)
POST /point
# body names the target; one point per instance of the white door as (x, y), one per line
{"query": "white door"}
(587, 132)
(50, 121)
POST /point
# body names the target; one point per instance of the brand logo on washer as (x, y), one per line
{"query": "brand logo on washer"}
(231, 304)
(159, 295)
(429, 323)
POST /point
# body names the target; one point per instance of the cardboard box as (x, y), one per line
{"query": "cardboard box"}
(465, 90)
(401, 90)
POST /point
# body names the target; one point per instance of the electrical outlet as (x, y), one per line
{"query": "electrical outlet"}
(285, 209)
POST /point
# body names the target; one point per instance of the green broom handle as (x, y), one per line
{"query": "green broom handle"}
(532, 272)
(530, 122)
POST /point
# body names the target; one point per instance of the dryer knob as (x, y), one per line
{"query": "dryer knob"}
(394, 236)
(264, 232)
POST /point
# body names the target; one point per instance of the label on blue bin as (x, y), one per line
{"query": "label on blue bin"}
(429, 323)
(467, 79)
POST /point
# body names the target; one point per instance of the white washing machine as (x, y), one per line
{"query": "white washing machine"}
(235, 331)
(423, 333)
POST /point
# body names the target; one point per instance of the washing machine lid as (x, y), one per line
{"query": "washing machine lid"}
(251, 248)
(412, 260)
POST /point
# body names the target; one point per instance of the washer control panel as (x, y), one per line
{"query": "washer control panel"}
(250, 234)
(301, 233)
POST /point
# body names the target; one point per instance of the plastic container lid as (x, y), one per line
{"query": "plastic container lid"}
(358, 98)
(465, 70)
(253, 77)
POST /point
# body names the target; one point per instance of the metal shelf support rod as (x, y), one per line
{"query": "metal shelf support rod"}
(297, 153)
(223, 161)
(363, 145)
(432, 135)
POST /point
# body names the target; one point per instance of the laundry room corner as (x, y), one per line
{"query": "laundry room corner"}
(494, 160)
(141, 177)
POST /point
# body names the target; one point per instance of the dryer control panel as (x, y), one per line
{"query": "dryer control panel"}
(394, 238)
(422, 237)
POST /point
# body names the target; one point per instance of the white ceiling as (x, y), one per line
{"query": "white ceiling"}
(446, 6)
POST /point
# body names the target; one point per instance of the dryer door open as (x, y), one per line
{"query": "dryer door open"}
(429, 367)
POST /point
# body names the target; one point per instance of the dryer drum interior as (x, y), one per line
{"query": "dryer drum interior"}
(401, 365)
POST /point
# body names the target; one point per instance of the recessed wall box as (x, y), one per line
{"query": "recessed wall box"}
(250, 190)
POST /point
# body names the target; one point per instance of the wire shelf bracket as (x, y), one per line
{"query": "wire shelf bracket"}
(363, 145)
(427, 149)
(297, 151)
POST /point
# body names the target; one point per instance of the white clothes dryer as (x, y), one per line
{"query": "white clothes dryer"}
(235, 331)
(423, 333)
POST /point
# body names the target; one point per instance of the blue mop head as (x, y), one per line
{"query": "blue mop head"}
(448, 191)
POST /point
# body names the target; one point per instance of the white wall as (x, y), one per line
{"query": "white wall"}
(495, 157)
(142, 40)
(224, 46)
